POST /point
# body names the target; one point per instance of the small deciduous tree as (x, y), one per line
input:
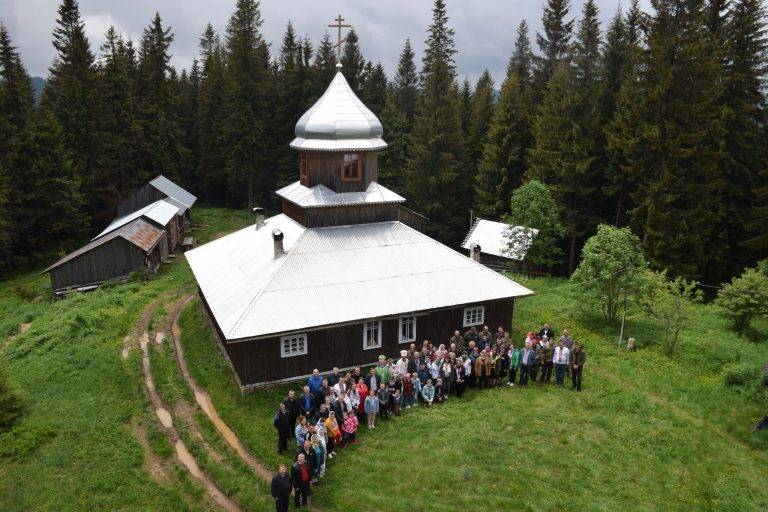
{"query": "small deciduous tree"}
(669, 301)
(611, 269)
(744, 298)
(532, 207)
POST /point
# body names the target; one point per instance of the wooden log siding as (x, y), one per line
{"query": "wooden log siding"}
(324, 168)
(111, 260)
(144, 196)
(347, 215)
(259, 362)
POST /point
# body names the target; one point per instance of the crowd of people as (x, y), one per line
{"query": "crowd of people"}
(326, 415)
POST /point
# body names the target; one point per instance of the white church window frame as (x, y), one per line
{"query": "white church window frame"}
(474, 315)
(293, 345)
(372, 335)
(409, 323)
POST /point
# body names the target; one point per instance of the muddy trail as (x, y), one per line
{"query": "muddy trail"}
(204, 401)
(166, 421)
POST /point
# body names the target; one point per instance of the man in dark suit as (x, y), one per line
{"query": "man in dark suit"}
(281, 489)
(301, 474)
(546, 331)
(373, 381)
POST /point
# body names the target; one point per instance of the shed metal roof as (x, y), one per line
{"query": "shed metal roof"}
(494, 238)
(139, 232)
(171, 189)
(161, 212)
(334, 275)
(320, 195)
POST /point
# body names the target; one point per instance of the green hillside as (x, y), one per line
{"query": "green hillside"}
(649, 432)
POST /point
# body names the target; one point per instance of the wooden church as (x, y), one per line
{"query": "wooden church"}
(344, 273)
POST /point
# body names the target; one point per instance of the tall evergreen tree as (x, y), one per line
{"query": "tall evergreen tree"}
(324, 66)
(480, 117)
(435, 168)
(522, 58)
(352, 62)
(247, 105)
(465, 107)
(209, 176)
(374, 93)
(120, 129)
(555, 41)
(406, 84)
(71, 95)
(190, 92)
(393, 160)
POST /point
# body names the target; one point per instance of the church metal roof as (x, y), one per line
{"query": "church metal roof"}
(334, 275)
(320, 195)
(494, 238)
(339, 121)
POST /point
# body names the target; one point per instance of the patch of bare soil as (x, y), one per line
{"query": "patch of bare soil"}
(185, 413)
(153, 464)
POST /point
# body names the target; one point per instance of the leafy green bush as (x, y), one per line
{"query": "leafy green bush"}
(10, 405)
(739, 374)
(744, 299)
(19, 443)
(532, 206)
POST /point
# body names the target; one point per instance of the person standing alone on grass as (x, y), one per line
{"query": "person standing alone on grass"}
(301, 476)
(578, 358)
(561, 359)
(283, 425)
(281, 489)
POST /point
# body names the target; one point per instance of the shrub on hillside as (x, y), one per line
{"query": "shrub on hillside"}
(610, 272)
(744, 299)
(10, 405)
(739, 374)
(532, 206)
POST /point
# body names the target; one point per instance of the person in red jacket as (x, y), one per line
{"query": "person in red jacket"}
(362, 390)
(300, 475)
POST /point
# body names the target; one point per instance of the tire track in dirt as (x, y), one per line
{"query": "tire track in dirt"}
(164, 417)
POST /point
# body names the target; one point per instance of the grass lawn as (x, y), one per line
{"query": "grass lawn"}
(649, 432)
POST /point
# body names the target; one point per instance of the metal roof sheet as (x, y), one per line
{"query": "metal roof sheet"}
(171, 189)
(320, 195)
(494, 238)
(334, 275)
(339, 121)
(139, 232)
(161, 212)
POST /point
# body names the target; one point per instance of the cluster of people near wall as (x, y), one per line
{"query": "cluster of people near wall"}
(326, 415)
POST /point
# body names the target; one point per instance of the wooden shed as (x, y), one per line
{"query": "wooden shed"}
(156, 189)
(134, 246)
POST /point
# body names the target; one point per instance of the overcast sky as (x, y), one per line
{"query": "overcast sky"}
(485, 29)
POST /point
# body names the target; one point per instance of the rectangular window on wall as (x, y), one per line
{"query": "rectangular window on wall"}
(303, 167)
(407, 329)
(350, 167)
(371, 335)
(474, 316)
(294, 345)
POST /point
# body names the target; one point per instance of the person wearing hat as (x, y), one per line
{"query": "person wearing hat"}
(401, 366)
(382, 370)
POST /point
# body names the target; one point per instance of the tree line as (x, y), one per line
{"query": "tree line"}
(656, 122)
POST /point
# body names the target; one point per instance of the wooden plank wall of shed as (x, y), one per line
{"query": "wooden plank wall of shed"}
(324, 168)
(111, 260)
(259, 361)
(145, 196)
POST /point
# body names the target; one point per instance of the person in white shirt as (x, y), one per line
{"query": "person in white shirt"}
(561, 358)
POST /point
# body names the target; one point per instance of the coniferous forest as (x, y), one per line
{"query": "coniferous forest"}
(657, 121)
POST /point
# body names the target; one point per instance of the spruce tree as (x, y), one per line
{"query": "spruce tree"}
(190, 91)
(248, 101)
(71, 95)
(374, 93)
(480, 117)
(434, 169)
(406, 84)
(554, 42)
(465, 107)
(393, 160)
(352, 62)
(324, 66)
(209, 175)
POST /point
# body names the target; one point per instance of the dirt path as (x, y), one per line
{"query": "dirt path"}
(205, 403)
(165, 419)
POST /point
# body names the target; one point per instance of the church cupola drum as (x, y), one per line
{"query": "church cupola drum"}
(344, 274)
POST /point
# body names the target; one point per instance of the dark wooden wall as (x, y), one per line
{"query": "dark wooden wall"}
(145, 196)
(110, 260)
(347, 215)
(297, 213)
(324, 168)
(259, 361)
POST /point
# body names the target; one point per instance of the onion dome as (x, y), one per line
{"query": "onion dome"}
(339, 121)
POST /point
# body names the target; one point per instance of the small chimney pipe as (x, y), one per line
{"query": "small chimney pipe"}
(277, 238)
(258, 212)
(474, 252)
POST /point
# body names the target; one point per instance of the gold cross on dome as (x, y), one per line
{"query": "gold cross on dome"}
(339, 25)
